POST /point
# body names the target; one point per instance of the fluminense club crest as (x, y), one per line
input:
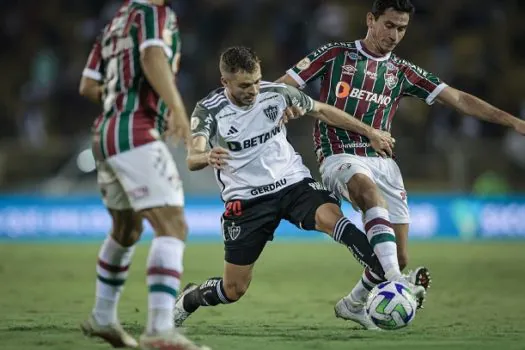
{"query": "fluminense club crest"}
(391, 80)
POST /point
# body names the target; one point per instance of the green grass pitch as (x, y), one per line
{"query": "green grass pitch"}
(477, 300)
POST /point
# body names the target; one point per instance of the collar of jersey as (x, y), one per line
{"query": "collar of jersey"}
(240, 109)
(142, 1)
(370, 55)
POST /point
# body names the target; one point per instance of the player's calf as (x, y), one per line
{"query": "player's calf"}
(113, 264)
(330, 220)
(379, 230)
(164, 267)
(210, 293)
(127, 227)
(216, 290)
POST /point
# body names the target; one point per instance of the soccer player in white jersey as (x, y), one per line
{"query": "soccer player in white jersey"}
(130, 72)
(263, 180)
(365, 79)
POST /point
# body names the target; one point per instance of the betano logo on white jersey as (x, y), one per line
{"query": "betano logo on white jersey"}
(262, 160)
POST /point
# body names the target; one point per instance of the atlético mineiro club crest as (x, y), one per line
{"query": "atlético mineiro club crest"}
(272, 112)
(234, 231)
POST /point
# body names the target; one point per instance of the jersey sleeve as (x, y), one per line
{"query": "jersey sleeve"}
(175, 42)
(94, 67)
(202, 122)
(422, 84)
(295, 97)
(312, 66)
(154, 28)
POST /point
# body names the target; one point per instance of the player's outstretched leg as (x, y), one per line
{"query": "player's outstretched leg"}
(164, 270)
(379, 230)
(330, 219)
(214, 291)
(113, 263)
(210, 293)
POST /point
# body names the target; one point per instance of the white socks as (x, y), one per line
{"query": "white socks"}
(164, 272)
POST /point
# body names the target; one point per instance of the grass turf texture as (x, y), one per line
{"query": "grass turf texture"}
(476, 302)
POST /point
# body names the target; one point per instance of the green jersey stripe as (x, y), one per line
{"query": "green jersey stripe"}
(368, 85)
(124, 119)
(381, 89)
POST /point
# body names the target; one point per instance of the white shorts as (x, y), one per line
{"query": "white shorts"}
(338, 169)
(141, 178)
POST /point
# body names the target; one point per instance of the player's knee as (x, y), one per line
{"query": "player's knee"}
(365, 193)
(167, 221)
(236, 289)
(127, 227)
(402, 258)
(326, 217)
(133, 233)
(371, 198)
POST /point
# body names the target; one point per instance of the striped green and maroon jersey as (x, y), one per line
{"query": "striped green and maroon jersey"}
(133, 113)
(94, 69)
(363, 85)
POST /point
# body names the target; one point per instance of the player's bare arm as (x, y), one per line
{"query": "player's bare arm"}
(160, 76)
(91, 89)
(290, 113)
(381, 141)
(471, 105)
(199, 157)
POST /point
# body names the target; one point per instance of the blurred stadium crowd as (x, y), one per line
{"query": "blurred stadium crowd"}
(478, 46)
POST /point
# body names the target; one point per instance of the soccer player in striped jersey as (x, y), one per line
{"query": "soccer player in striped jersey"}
(130, 71)
(365, 79)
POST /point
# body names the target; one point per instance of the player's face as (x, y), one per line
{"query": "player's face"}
(388, 30)
(243, 86)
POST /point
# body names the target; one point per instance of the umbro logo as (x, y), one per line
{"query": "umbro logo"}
(348, 69)
(232, 131)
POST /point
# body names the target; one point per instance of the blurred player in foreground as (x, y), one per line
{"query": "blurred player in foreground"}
(366, 80)
(131, 71)
(263, 180)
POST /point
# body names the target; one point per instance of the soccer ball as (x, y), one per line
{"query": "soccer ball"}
(391, 305)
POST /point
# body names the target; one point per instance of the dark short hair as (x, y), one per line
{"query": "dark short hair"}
(380, 6)
(239, 58)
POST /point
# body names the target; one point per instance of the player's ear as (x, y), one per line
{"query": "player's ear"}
(370, 19)
(224, 82)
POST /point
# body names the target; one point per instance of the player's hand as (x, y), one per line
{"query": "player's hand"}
(519, 127)
(217, 157)
(293, 112)
(178, 130)
(382, 142)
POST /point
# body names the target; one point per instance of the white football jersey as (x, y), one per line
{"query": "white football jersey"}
(263, 161)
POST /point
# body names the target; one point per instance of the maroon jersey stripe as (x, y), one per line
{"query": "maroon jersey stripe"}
(395, 105)
(415, 79)
(371, 68)
(110, 138)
